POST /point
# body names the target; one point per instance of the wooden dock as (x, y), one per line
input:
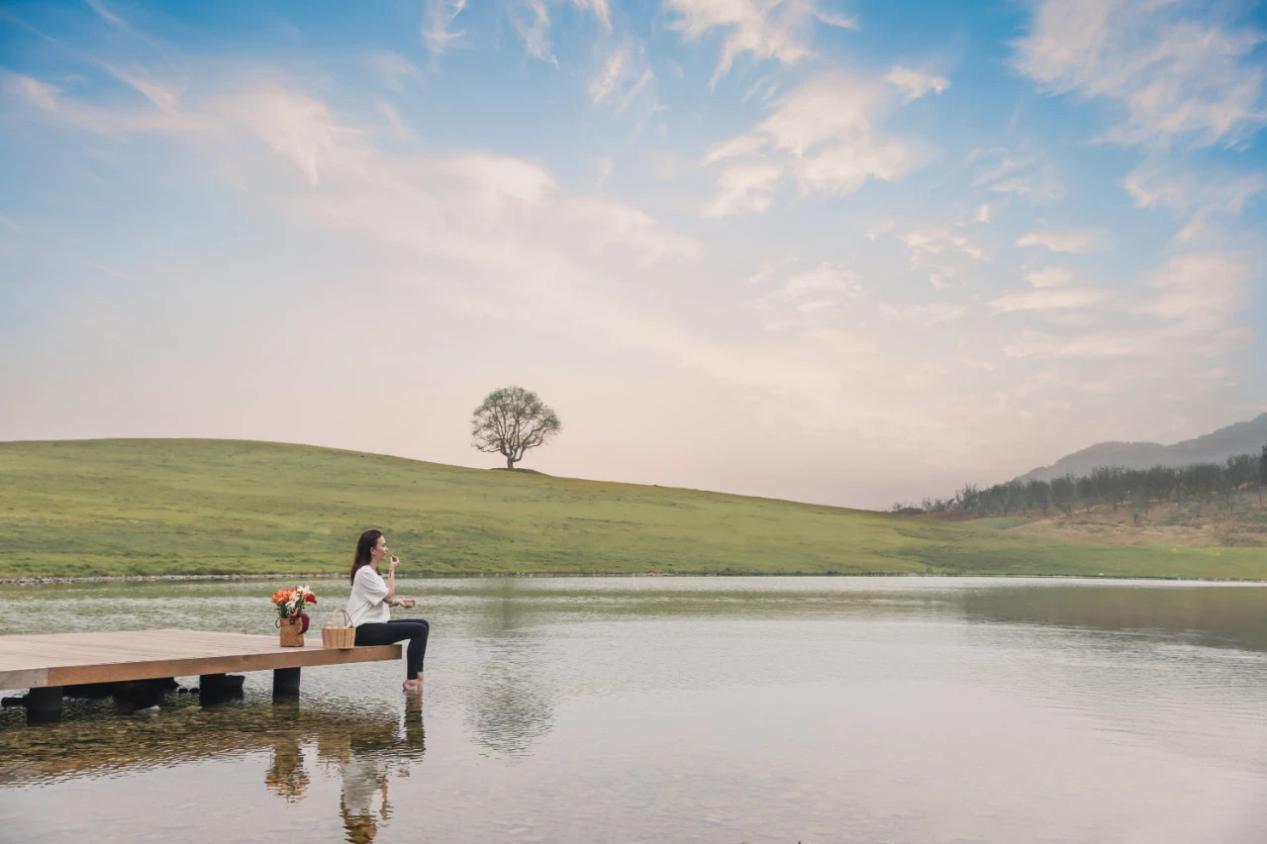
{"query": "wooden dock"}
(46, 663)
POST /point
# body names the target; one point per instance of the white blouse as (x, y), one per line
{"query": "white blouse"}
(368, 601)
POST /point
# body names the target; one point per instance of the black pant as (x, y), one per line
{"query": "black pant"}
(391, 632)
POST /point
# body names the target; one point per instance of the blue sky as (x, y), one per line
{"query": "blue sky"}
(848, 252)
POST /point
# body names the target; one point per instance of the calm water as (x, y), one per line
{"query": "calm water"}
(716, 710)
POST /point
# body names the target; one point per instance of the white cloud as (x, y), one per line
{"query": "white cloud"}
(1193, 310)
(743, 188)
(1044, 277)
(393, 68)
(880, 229)
(1199, 293)
(604, 165)
(1174, 70)
(1204, 202)
(1073, 241)
(915, 83)
(930, 313)
(944, 252)
(767, 30)
(825, 136)
(925, 243)
(623, 77)
(826, 279)
(1022, 176)
(599, 9)
(105, 14)
(803, 299)
(1058, 298)
(299, 128)
(531, 21)
(105, 120)
(438, 17)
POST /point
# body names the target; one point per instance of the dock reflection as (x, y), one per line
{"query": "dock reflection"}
(289, 733)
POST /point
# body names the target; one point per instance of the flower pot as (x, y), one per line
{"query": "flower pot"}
(292, 633)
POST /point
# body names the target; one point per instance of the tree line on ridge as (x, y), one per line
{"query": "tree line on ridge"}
(1114, 486)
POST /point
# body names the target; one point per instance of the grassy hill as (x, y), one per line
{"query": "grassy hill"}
(96, 507)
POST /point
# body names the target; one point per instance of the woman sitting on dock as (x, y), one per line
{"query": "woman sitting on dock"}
(370, 604)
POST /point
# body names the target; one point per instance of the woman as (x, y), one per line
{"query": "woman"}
(370, 602)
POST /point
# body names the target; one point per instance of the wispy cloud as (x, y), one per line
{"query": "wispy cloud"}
(804, 295)
(1057, 298)
(1072, 241)
(1203, 202)
(531, 21)
(827, 137)
(1045, 277)
(1174, 73)
(915, 83)
(106, 120)
(930, 313)
(105, 14)
(599, 9)
(437, 30)
(1023, 176)
(393, 68)
(623, 77)
(1193, 309)
(768, 30)
(944, 252)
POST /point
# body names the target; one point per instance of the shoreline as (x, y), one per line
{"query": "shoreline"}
(287, 576)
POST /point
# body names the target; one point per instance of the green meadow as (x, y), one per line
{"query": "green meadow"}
(185, 507)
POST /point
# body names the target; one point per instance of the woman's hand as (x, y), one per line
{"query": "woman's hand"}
(407, 603)
(394, 562)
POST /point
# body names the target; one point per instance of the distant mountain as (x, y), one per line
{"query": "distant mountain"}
(1241, 438)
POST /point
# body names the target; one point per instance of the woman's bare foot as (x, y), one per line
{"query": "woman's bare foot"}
(413, 685)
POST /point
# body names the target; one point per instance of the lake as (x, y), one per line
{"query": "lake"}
(682, 709)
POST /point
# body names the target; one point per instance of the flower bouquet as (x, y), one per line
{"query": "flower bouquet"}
(292, 621)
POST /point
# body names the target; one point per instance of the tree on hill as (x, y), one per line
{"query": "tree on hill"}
(510, 421)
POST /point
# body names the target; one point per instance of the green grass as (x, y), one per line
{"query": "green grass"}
(128, 507)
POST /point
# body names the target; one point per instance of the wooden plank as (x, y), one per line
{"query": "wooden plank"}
(30, 678)
(58, 659)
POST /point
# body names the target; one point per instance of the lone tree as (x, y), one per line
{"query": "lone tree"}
(510, 421)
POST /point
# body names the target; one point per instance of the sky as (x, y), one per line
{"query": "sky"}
(838, 251)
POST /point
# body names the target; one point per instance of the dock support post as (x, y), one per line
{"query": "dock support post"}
(285, 683)
(44, 705)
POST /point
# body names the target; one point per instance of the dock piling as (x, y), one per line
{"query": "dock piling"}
(44, 705)
(217, 688)
(285, 683)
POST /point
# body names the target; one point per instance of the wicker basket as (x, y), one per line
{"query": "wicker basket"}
(338, 636)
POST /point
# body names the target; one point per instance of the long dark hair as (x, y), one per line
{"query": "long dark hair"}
(364, 546)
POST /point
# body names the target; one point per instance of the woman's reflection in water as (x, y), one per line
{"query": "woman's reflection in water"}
(367, 761)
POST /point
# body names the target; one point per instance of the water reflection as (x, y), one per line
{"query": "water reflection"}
(512, 705)
(366, 762)
(286, 776)
(1209, 615)
(95, 742)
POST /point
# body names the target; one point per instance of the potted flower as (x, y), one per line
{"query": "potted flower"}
(292, 621)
